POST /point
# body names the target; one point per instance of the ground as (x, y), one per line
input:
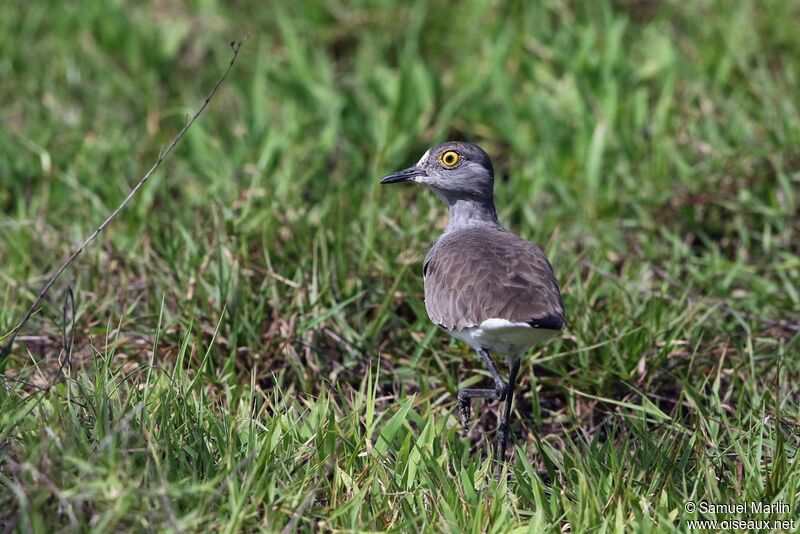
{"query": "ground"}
(251, 349)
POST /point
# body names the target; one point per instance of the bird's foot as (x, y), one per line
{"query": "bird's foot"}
(465, 411)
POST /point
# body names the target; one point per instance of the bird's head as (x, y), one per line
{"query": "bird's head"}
(454, 170)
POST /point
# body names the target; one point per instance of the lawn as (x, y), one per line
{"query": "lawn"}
(251, 350)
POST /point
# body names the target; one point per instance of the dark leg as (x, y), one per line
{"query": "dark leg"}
(465, 395)
(502, 430)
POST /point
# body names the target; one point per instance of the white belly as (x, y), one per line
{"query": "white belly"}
(503, 337)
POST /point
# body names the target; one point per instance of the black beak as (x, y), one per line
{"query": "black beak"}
(406, 175)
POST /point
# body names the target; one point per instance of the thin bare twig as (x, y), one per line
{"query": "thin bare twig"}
(235, 46)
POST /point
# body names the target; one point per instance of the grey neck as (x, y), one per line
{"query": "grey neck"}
(471, 213)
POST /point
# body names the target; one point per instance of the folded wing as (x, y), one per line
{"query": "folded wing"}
(478, 274)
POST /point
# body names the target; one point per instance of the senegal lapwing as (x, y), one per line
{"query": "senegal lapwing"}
(483, 284)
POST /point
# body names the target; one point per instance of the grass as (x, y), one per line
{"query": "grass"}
(251, 348)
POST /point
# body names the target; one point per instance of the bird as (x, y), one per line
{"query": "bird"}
(484, 285)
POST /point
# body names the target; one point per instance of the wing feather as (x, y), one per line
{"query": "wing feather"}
(477, 274)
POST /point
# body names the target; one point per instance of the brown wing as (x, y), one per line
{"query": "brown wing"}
(487, 273)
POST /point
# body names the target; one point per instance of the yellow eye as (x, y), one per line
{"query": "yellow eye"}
(450, 158)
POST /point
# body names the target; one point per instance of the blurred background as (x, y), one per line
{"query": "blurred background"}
(651, 147)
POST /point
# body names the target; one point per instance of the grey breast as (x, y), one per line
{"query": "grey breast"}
(476, 274)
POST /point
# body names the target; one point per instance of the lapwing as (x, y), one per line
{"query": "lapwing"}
(483, 284)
